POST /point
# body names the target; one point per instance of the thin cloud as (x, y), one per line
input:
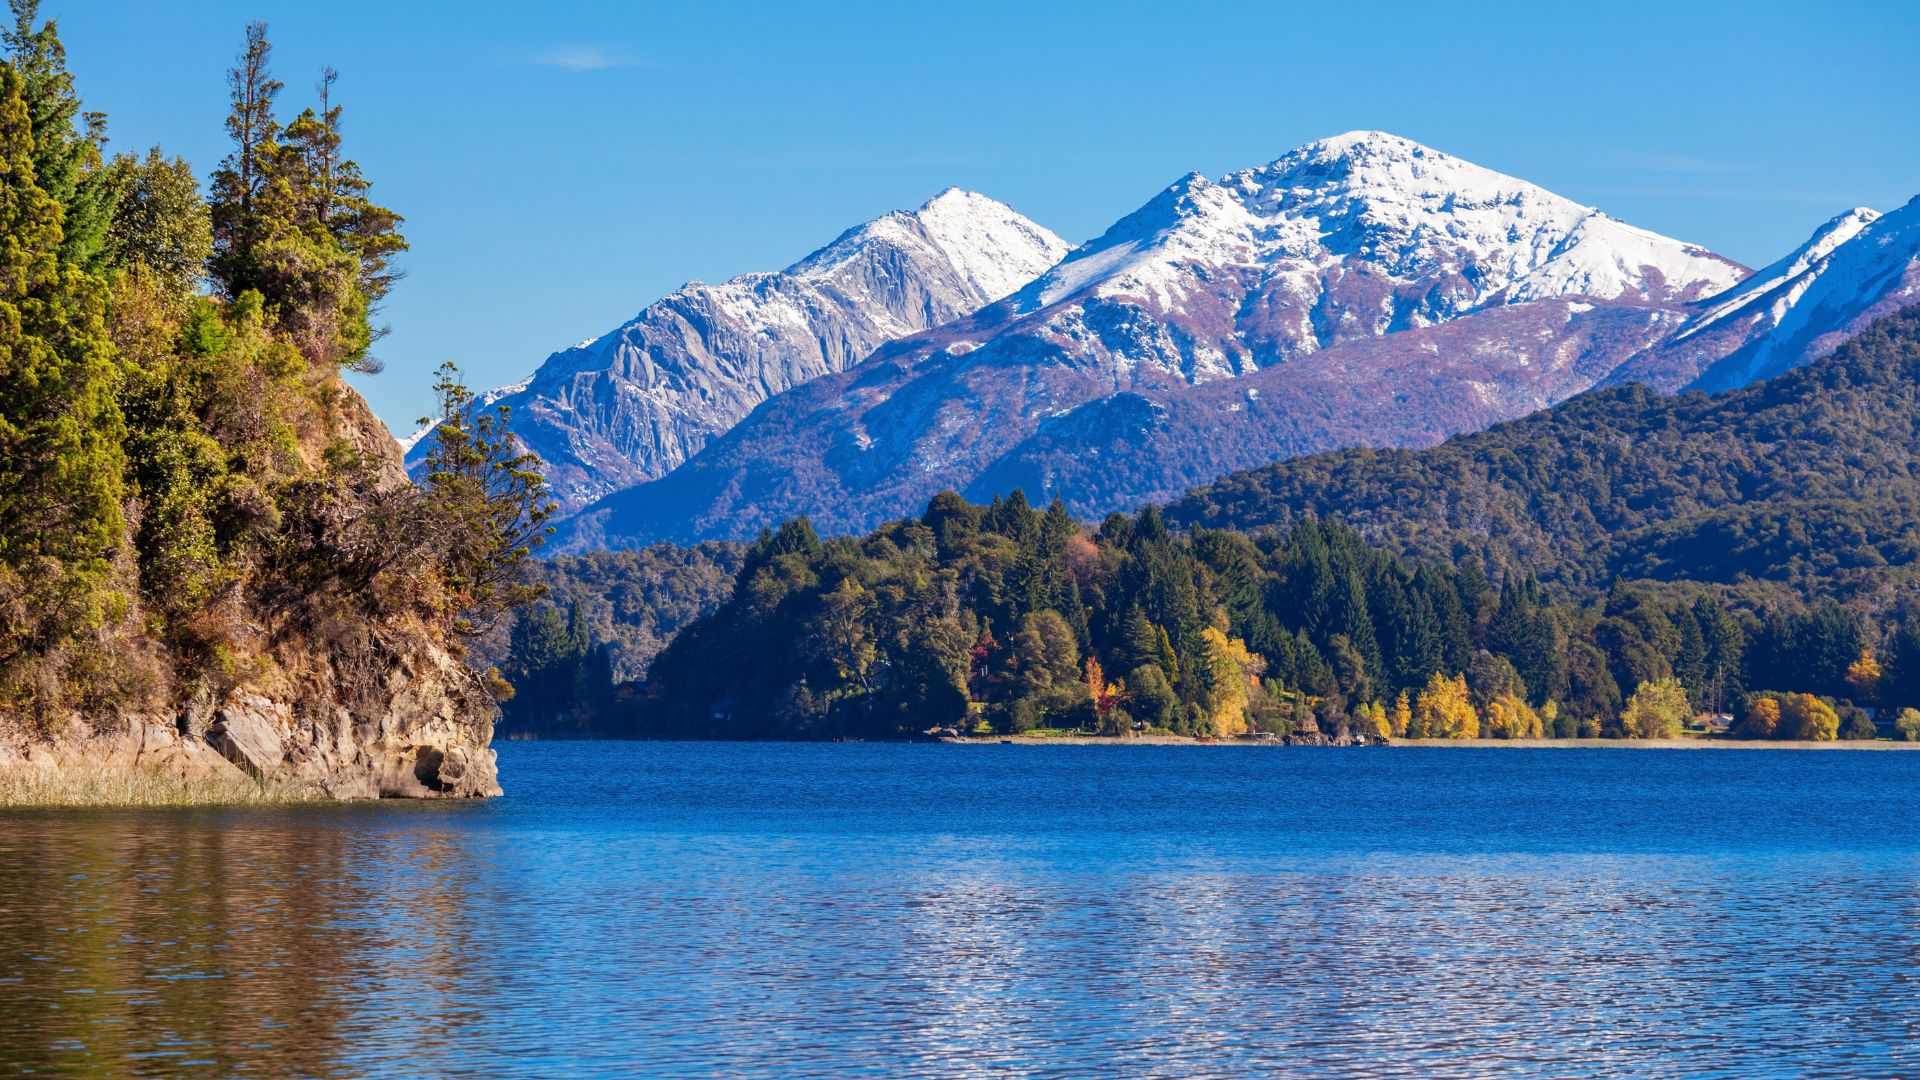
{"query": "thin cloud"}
(580, 58)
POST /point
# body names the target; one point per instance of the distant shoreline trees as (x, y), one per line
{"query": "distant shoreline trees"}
(1004, 618)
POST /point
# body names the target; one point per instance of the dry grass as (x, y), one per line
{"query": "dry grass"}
(29, 785)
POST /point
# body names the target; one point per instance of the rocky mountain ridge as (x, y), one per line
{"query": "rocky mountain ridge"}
(631, 404)
(1304, 276)
(1855, 269)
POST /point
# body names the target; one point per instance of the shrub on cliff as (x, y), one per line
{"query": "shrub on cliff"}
(191, 498)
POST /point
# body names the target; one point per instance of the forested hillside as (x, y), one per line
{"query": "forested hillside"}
(603, 619)
(1806, 485)
(203, 530)
(1007, 619)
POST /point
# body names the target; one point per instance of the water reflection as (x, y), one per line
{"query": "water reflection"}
(549, 937)
(203, 943)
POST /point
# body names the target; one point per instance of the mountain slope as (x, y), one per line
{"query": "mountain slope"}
(1813, 474)
(1856, 268)
(1283, 271)
(631, 404)
(1428, 383)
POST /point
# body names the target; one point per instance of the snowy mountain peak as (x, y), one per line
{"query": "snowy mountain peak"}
(1855, 268)
(1460, 235)
(633, 403)
(1795, 266)
(956, 199)
(1364, 141)
(987, 243)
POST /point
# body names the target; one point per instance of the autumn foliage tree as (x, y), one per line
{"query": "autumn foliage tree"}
(1863, 676)
(1806, 717)
(1761, 719)
(1444, 710)
(1657, 710)
(1508, 716)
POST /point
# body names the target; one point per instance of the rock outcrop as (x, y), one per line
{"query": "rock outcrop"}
(333, 683)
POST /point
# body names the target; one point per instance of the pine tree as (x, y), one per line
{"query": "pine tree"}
(292, 219)
(488, 504)
(1056, 527)
(1900, 682)
(1316, 675)
(67, 162)
(1690, 663)
(61, 461)
(330, 201)
(1725, 642)
(1165, 656)
(241, 184)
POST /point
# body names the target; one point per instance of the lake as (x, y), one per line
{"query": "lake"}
(840, 910)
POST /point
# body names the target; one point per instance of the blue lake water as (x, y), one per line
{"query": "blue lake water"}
(844, 910)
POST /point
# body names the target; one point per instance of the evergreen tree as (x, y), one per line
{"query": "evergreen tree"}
(329, 202)
(1138, 643)
(242, 184)
(160, 225)
(488, 505)
(1724, 643)
(61, 461)
(66, 156)
(1900, 679)
(292, 219)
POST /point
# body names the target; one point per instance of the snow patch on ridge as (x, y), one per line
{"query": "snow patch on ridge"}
(1397, 205)
(987, 242)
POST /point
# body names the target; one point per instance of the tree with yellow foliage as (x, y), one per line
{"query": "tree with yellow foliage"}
(1229, 675)
(1863, 675)
(1401, 718)
(1444, 710)
(1508, 717)
(1762, 720)
(1657, 710)
(1803, 716)
(1373, 721)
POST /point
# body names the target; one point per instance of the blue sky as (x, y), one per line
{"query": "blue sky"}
(562, 164)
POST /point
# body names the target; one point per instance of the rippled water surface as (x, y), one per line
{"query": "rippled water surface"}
(642, 909)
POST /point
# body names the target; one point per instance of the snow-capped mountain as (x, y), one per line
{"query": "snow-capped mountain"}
(1856, 268)
(1355, 236)
(633, 403)
(1290, 272)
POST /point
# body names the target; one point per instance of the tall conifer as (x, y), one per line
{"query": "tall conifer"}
(66, 142)
(60, 428)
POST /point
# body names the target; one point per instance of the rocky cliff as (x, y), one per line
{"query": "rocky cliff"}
(324, 680)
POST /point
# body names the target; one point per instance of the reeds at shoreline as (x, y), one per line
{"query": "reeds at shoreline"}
(108, 785)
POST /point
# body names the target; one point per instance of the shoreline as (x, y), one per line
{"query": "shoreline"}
(1455, 744)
